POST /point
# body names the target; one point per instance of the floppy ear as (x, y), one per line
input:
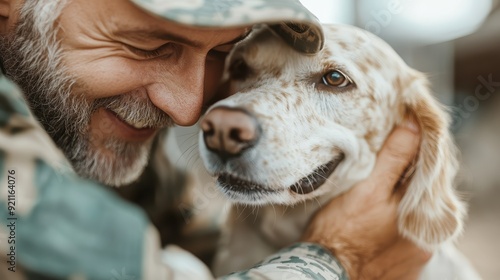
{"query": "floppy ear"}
(431, 211)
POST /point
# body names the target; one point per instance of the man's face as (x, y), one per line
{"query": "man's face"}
(117, 76)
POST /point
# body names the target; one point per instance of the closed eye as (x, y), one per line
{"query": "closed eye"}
(164, 50)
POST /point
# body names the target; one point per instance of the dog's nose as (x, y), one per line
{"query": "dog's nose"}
(229, 131)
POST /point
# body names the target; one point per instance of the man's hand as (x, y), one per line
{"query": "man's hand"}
(360, 226)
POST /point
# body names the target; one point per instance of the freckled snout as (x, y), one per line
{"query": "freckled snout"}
(229, 131)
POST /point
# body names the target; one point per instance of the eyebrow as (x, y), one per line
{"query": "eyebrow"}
(144, 34)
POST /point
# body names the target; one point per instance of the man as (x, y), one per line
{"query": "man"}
(103, 78)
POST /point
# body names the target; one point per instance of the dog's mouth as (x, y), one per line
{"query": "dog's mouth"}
(317, 178)
(235, 184)
(305, 185)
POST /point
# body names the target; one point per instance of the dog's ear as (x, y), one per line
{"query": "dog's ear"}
(431, 211)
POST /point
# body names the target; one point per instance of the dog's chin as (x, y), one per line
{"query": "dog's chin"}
(244, 191)
(247, 192)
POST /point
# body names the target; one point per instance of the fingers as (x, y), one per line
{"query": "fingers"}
(396, 155)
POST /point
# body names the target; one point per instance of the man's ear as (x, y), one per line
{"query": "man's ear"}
(4, 8)
(430, 212)
(9, 10)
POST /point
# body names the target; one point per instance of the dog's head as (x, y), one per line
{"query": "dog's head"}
(300, 127)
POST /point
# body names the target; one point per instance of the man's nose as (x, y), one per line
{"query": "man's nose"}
(229, 131)
(180, 90)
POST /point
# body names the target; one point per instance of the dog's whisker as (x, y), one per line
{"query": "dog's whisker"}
(317, 200)
(242, 211)
(192, 149)
(255, 214)
(185, 152)
(275, 216)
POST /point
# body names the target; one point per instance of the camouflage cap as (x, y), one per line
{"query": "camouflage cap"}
(288, 18)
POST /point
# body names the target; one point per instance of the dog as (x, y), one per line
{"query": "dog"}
(298, 130)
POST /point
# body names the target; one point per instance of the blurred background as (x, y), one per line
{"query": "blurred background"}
(457, 44)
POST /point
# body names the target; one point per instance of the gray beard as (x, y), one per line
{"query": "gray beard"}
(33, 59)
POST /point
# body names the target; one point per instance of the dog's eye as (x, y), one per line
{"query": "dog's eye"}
(336, 78)
(239, 69)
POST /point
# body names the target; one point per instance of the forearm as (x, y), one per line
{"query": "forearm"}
(299, 261)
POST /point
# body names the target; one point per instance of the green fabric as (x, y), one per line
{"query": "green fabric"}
(81, 226)
(298, 261)
(108, 232)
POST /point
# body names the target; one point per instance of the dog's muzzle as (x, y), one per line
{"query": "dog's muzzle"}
(228, 132)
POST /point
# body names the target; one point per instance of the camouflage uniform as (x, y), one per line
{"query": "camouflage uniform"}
(55, 225)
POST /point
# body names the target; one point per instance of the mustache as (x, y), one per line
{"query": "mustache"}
(135, 108)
